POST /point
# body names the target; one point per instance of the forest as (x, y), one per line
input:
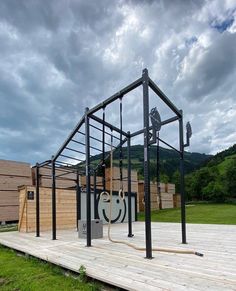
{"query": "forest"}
(208, 178)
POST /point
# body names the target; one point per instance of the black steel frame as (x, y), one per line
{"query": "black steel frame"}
(60, 159)
(53, 167)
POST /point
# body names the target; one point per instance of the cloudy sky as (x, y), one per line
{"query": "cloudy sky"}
(58, 57)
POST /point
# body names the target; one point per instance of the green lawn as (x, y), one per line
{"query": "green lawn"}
(8, 227)
(198, 213)
(20, 273)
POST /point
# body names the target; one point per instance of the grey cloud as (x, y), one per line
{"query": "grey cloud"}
(57, 57)
(216, 65)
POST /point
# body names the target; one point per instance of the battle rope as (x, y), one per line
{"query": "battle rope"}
(108, 198)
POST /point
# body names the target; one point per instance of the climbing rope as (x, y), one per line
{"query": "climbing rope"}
(108, 198)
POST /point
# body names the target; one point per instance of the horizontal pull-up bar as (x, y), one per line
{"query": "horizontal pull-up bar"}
(80, 132)
(172, 119)
(67, 173)
(100, 129)
(94, 138)
(108, 155)
(59, 167)
(173, 148)
(81, 143)
(73, 150)
(116, 96)
(107, 124)
(64, 163)
(164, 98)
(79, 124)
(62, 169)
(43, 164)
(78, 142)
(72, 158)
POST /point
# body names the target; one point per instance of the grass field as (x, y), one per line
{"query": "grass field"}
(198, 213)
(8, 227)
(21, 273)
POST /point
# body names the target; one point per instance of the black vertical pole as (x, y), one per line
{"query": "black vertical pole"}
(54, 219)
(95, 194)
(103, 152)
(146, 165)
(129, 189)
(182, 192)
(37, 202)
(88, 188)
(158, 174)
(78, 201)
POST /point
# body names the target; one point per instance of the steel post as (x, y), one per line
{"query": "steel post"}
(146, 165)
(130, 234)
(88, 188)
(182, 192)
(37, 202)
(54, 219)
(78, 201)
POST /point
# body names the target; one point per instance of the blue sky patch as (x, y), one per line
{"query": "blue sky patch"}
(223, 25)
(190, 41)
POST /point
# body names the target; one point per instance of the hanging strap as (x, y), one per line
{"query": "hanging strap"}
(121, 191)
(103, 150)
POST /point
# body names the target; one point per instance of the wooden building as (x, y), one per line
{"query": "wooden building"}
(65, 205)
(12, 175)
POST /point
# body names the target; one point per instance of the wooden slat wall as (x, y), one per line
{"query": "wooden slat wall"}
(98, 180)
(12, 175)
(13, 168)
(65, 205)
(167, 191)
(65, 181)
(10, 183)
(116, 185)
(177, 200)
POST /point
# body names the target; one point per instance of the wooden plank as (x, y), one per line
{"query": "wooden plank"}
(9, 198)
(9, 213)
(126, 268)
(153, 187)
(15, 168)
(12, 182)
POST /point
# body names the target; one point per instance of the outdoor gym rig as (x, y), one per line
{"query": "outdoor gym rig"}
(80, 152)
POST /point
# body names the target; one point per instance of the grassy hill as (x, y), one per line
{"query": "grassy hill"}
(169, 160)
(216, 179)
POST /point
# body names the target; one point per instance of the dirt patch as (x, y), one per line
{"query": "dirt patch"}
(3, 281)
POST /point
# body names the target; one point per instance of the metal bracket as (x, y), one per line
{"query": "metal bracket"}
(188, 134)
(156, 125)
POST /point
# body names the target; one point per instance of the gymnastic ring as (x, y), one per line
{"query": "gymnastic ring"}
(107, 198)
(121, 194)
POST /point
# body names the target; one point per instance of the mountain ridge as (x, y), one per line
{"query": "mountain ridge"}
(169, 160)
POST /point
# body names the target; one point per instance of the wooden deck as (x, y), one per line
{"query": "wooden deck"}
(127, 268)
